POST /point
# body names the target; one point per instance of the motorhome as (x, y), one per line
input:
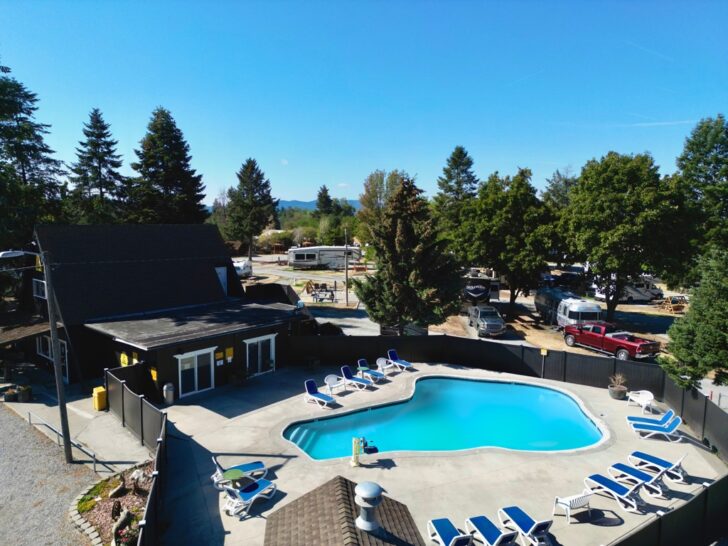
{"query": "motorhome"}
(638, 292)
(561, 307)
(480, 288)
(322, 257)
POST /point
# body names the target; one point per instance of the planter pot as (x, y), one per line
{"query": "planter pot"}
(24, 396)
(11, 396)
(618, 392)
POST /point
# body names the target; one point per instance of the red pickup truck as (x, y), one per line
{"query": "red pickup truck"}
(603, 337)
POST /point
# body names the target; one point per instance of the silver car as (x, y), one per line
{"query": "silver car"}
(486, 320)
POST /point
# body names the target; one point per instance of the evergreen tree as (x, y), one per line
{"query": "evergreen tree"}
(417, 280)
(250, 205)
(324, 203)
(699, 340)
(458, 185)
(96, 195)
(168, 190)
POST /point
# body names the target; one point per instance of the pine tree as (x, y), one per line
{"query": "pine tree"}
(324, 203)
(168, 190)
(95, 198)
(458, 185)
(250, 205)
(417, 280)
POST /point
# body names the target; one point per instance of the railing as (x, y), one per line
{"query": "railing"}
(149, 526)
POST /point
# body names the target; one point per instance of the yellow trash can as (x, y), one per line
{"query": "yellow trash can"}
(99, 398)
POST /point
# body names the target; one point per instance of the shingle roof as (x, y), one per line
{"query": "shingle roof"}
(109, 270)
(325, 516)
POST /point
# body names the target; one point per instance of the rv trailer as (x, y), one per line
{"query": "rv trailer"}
(322, 257)
(562, 307)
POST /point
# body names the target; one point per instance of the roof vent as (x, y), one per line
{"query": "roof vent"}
(368, 497)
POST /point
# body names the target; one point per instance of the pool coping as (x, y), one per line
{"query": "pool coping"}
(531, 381)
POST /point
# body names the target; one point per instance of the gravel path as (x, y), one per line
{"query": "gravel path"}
(36, 486)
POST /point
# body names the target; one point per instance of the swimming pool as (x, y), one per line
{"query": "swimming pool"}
(447, 414)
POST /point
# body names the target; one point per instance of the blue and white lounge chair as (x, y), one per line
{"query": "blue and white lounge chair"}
(669, 414)
(239, 501)
(669, 431)
(393, 357)
(644, 461)
(356, 382)
(630, 475)
(487, 531)
(372, 375)
(535, 532)
(254, 469)
(313, 395)
(443, 531)
(627, 497)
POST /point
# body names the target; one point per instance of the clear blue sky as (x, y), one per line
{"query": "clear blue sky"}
(324, 93)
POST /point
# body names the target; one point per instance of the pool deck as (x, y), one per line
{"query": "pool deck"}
(239, 424)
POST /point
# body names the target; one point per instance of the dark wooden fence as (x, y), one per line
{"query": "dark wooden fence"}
(150, 530)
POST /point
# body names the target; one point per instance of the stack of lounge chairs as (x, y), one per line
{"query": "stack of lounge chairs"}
(239, 499)
(666, 426)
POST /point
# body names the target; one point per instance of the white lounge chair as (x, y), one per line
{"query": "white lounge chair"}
(669, 430)
(312, 394)
(567, 504)
(402, 364)
(443, 532)
(356, 382)
(365, 371)
(626, 497)
(535, 532)
(641, 398)
(630, 475)
(644, 461)
(666, 417)
(253, 469)
(384, 364)
(487, 531)
(239, 501)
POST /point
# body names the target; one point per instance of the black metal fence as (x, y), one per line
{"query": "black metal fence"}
(149, 527)
(701, 520)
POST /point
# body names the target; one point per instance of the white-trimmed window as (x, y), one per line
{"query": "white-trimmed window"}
(44, 348)
(39, 289)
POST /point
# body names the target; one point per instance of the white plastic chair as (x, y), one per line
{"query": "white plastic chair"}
(641, 398)
(567, 504)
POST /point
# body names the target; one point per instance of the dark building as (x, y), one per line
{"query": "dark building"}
(165, 295)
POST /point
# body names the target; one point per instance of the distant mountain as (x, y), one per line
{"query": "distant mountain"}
(311, 205)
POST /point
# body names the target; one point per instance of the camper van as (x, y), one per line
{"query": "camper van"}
(637, 292)
(563, 308)
(322, 257)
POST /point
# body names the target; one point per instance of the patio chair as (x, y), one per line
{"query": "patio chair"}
(669, 430)
(445, 533)
(567, 504)
(669, 414)
(487, 531)
(644, 461)
(384, 364)
(643, 399)
(239, 501)
(393, 357)
(535, 532)
(373, 375)
(333, 381)
(356, 382)
(632, 476)
(249, 470)
(627, 498)
(313, 395)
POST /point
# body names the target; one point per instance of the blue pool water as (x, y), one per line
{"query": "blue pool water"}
(448, 414)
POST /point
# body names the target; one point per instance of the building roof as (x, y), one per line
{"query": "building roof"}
(104, 271)
(326, 515)
(162, 329)
(24, 330)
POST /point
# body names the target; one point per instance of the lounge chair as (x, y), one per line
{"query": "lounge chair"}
(643, 399)
(535, 532)
(312, 394)
(487, 531)
(627, 497)
(669, 430)
(394, 359)
(384, 364)
(249, 470)
(567, 504)
(443, 531)
(644, 461)
(630, 475)
(239, 501)
(669, 414)
(351, 379)
(373, 375)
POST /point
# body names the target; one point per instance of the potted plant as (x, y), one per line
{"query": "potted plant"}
(617, 387)
(24, 393)
(11, 395)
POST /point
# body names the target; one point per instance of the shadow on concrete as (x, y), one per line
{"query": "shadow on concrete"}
(601, 518)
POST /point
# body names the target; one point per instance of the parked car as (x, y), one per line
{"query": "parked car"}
(486, 320)
(605, 338)
(243, 269)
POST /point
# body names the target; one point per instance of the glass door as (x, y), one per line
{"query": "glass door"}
(187, 374)
(253, 359)
(261, 354)
(204, 371)
(196, 372)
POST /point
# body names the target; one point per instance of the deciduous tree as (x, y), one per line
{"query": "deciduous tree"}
(378, 188)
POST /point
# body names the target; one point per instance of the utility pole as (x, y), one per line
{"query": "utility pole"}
(346, 268)
(56, 351)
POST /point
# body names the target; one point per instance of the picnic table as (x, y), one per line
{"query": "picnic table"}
(323, 295)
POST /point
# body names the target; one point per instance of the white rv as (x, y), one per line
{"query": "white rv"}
(322, 257)
(563, 307)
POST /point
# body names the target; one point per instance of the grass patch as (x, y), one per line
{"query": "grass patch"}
(86, 504)
(101, 489)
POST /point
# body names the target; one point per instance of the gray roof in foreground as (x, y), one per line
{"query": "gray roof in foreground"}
(162, 329)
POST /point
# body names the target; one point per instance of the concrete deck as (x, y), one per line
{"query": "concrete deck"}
(244, 423)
